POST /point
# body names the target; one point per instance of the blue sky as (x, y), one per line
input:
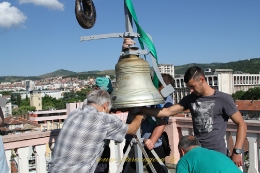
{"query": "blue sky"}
(42, 36)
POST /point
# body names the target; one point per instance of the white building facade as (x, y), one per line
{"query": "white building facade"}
(52, 93)
(224, 81)
(166, 68)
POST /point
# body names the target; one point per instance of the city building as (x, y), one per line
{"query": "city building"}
(221, 79)
(17, 125)
(166, 68)
(36, 99)
(52, 93)
(7, 109)
(29, 85)
(42, 117)
(250, 109)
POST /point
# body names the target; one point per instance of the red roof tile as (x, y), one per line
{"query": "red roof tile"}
(18, 120)
(250, 105)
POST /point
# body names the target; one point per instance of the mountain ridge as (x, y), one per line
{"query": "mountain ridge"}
(247, 66)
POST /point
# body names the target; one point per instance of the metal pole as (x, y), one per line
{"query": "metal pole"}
(138, 155)
(138, 152)
(128, 20)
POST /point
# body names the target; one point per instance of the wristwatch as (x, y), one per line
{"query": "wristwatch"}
(237, 150)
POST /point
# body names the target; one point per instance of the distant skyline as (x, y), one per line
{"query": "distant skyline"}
(39, 37)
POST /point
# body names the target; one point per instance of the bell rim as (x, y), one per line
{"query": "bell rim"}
(130, 104)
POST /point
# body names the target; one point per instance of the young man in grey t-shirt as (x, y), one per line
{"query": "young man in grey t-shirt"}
(210, 111)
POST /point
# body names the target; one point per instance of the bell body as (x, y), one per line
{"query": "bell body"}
(134, 86)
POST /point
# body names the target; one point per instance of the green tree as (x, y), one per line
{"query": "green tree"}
(26, 98)
(18, 100)
(25, 102)
(69, 97)
(48, 102)
(6, 92)
(23, 110)
(238, 95)
(81, 95)
(48, 107)
(59, 104)
(13, 99)
(252, 94)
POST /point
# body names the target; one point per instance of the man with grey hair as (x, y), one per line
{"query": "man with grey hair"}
(81, 139)
(195, 159)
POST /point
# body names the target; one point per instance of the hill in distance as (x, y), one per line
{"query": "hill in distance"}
(60, 72)
(81, 75)
(251, 66)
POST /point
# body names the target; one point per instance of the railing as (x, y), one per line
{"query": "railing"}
(27, 143)
(40, 143)
(183, 126)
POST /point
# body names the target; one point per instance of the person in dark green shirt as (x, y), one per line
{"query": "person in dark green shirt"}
(195, 159)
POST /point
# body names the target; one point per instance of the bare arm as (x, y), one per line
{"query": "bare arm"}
(165, 112)
(157, 132)
(135, 124)
(240, 137)
(1, 118)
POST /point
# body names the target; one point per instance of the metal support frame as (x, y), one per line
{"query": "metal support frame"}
(138, 148)
(129, 34)
(168, 89)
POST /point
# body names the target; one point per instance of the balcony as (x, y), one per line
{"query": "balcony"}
(37, 146)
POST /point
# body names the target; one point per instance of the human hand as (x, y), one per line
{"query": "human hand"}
(148, 144)
(127, 43)
(237, 159)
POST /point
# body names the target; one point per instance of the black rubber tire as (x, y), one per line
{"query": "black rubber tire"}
(85, 12)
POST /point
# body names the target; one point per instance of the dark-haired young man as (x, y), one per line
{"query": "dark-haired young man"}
(210, 111)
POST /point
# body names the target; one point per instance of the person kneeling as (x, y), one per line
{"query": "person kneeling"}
(195, 159)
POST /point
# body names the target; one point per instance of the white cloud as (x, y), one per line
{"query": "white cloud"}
(51, 4)
(10, 16)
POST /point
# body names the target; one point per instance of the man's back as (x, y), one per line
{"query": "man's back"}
(202, 160)
(81, 140)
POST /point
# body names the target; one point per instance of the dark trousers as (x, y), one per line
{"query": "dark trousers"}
(103, 165)
(159, 151)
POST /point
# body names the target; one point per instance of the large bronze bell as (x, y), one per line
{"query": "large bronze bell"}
(134, 86)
